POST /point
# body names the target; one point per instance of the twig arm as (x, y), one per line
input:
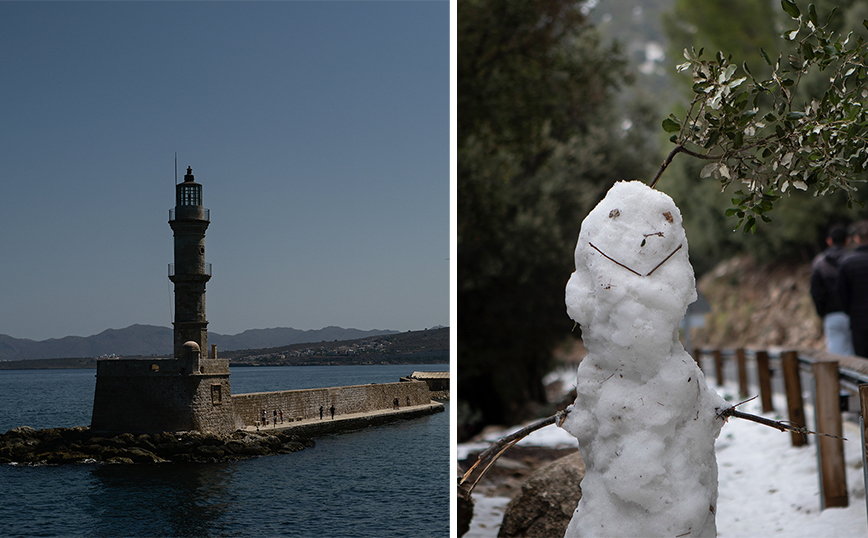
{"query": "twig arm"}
(490, 455)
(782, 426)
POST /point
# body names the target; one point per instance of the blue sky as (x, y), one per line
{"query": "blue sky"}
(319, 131)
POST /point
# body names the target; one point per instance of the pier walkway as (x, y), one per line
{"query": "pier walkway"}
(315, 427)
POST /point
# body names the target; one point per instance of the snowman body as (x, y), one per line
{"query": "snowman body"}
(644, 417)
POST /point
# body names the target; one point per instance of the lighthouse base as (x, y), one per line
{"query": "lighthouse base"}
(160, 395)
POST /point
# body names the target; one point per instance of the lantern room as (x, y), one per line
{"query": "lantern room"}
(189, 192)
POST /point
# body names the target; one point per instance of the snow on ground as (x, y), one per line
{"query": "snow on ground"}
(769, 488)
(766, 486)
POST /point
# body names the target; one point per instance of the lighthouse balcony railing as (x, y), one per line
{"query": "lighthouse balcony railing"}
(206, 213)
(207, 270)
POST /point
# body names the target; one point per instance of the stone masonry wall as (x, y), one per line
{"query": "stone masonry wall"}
(305, 404)
(144, 396)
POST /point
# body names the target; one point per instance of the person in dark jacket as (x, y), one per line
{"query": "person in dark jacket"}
(853, 288)
(824, 292)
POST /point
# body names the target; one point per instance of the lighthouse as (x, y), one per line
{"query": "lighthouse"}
(189, 391)
(189, 220)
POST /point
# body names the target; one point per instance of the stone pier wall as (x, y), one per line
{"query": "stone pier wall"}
(172, 395)
(304, 404)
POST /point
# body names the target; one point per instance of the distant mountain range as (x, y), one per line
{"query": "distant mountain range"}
(153, 340)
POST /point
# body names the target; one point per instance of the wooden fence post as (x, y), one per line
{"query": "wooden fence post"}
(863, 422)
(765, 380)
(718, 367)
(833, 474)
(793, 386)
(742, 372)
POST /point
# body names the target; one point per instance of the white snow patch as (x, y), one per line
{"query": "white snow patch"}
(487, 516)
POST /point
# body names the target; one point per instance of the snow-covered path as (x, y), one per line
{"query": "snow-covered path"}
(767, 487)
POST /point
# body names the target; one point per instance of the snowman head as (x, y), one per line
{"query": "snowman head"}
(633, 280)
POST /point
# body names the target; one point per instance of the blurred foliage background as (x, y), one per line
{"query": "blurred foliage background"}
(557, 100)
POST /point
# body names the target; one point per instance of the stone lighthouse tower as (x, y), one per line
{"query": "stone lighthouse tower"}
(188, 391)
(189, 273)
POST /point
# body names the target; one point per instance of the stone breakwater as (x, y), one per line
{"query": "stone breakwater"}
(82, 445)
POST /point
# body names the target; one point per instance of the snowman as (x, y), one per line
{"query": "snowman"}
(644, 417)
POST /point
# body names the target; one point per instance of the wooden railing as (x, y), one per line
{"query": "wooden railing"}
(834, 381)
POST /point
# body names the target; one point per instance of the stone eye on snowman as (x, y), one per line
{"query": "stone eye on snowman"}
(645, 419)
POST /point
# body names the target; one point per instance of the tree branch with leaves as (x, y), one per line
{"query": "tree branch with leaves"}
(764, 134)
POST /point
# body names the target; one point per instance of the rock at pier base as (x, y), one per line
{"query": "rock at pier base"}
(79, 445)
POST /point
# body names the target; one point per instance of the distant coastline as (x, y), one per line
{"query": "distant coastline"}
(412, 347)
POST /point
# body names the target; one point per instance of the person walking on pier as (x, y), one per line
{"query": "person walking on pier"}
(275, 417)
(281, 416)
(264, 419)
(333, 411)
(320, 412)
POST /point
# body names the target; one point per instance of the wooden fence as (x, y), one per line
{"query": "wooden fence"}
(834, 381)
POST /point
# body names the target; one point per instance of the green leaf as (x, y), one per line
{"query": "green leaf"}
(808, 49)
(812, 14)
(791, 8)
(731, 212)
(765, 56)
(712, 139)
(671, 126)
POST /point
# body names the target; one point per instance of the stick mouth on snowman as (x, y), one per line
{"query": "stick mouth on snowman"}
(664, 260)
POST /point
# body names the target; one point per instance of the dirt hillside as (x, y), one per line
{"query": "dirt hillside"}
(754, 305)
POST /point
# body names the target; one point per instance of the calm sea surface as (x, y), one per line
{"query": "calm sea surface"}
(388, 481)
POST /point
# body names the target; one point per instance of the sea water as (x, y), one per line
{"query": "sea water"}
(386, 481)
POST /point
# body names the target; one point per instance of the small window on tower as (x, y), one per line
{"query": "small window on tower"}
(216, 394)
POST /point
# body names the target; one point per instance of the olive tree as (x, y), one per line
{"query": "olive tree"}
(763, 133)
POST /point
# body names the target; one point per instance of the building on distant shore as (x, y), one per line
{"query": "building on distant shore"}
(438, 382)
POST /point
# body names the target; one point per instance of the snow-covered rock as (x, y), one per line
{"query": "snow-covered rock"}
(645, 419)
